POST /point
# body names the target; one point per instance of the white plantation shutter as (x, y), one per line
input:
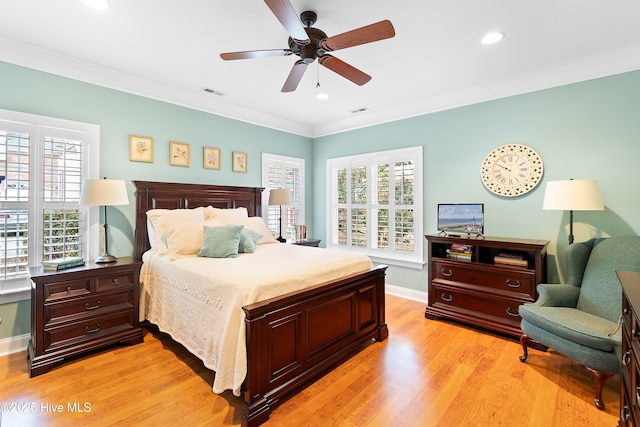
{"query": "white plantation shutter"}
(375, 205)
(283, 172)
(42, 164)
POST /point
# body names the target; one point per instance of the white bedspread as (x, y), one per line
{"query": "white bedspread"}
(198, 301)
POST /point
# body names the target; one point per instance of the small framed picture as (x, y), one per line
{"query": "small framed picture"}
(140, 149)
(178, 154)
(239, 161)
(211, 158)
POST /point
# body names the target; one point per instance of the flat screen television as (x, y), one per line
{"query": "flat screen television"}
(461, 218)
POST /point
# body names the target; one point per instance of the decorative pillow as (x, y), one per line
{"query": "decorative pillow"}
(223, 214)
(248, 241)
(256, 224)
(221, 242)
(161, 217)
(185, 238)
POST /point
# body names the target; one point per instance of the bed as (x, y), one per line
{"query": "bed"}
(291, 338)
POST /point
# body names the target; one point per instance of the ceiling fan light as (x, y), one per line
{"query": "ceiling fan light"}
(97, 4)
(322, 96)
(492, 38)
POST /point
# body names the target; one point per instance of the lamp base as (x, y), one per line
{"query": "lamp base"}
(281, 239)
(105, 258)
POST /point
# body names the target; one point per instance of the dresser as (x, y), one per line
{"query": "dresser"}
(466, 282)
(80, 309)
(630, 376)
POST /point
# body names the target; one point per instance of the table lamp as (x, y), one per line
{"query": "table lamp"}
(280, 197)
(104, 192)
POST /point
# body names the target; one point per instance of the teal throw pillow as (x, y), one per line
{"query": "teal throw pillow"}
(248, 241)
(221, 242)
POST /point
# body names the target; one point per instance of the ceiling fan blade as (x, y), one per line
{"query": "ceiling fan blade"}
(249, 54)
(289, 19)
(294, 76)
(370, 33)
(347, 71)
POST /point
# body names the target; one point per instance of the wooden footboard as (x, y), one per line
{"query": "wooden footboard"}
(295, 338)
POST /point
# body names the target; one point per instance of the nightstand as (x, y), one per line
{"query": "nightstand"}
(307, 242)
(80, 309)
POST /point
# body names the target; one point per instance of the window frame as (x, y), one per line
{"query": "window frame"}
(284, 162)
(369, 160)
(38, 127)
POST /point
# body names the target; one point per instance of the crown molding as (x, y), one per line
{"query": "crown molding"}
(30, 56)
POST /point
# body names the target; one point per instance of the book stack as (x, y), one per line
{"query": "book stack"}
(61, 264)
(460, 251)
(511, 259)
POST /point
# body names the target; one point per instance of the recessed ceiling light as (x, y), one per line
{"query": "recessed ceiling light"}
(492, 38)
(97, 4)
(322, 96)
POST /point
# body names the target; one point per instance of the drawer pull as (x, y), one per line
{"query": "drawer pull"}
(92, 331)
(626, 358)
(68, 289)
(508, 310)
(115, 281)
(637, 394)
(634, 333)
(447, 298)
(517, 284)
(626, 311)
(91, 307)
(447, 273)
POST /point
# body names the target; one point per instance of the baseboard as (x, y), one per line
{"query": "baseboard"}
(14, 344)
(412, 294)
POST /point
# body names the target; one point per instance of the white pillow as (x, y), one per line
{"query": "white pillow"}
(223, 214)
(160, 217)
(185, 238)
(256, 224)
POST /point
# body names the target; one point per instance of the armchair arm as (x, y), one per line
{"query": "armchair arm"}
(556, 295)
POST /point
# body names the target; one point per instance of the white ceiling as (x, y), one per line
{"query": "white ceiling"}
(169, 50)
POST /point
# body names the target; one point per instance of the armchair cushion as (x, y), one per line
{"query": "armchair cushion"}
(574, 325)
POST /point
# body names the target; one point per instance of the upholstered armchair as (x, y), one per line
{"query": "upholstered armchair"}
(581, 319)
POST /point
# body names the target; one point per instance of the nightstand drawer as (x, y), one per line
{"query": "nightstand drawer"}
(94, 305)
(119, 281)
(88, 330)
(66, 289)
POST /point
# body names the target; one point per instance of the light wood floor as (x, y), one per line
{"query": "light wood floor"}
(428, 373)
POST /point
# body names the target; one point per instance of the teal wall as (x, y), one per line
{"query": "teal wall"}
(120, 114)
(588, 130)
(585, 130)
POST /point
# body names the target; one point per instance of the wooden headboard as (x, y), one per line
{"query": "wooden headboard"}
(169, 195)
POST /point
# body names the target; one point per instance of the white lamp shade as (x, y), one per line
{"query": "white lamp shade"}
(280, 196)
(104, 192)
(573, 195)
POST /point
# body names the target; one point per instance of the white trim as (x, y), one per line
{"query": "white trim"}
(8, 296)
(14, 344)
(27, 55)
(406, 293)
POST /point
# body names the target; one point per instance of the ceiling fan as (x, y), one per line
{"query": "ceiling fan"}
(312, 43)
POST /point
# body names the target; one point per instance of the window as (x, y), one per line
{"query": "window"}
(283, 172)
(42, 164)
(375, 205)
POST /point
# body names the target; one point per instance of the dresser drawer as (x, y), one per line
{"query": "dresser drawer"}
(66, 289)
(476, 304)
(116, 281)
(498, 280)
(56, 337)
(93, 305)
